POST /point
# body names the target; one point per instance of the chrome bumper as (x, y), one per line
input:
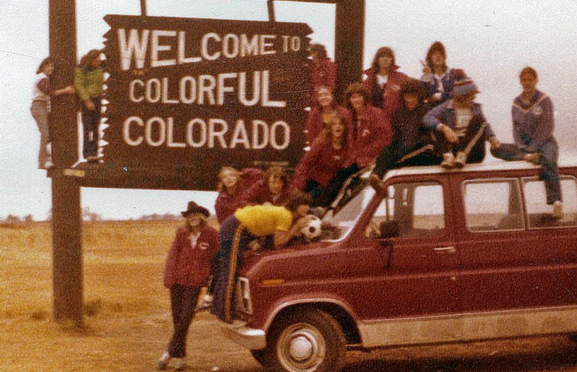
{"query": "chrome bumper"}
(249, 338)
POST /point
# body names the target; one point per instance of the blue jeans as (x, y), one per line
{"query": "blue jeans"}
(549, 152)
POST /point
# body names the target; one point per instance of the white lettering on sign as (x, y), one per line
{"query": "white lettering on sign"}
(169, 47)
(157, 47)
(135, 48)
(211, 133)
(206, 90)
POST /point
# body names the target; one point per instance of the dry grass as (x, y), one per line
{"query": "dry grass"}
(127, 323)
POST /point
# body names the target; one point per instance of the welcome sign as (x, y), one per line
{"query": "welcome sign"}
(204, 93)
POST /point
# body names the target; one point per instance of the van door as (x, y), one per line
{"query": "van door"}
(413, 223)
(518, 264)
(556, 253)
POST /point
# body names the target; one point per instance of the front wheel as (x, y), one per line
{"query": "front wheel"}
(308, 340)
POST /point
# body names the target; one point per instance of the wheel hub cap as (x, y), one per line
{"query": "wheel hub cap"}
(301, 348)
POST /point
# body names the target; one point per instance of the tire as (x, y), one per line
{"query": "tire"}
(258, 355)
(308, 340)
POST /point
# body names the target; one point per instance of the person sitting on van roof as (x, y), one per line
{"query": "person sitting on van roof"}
(239, 232)
(411, 144)
(533, 124)
(462, 125)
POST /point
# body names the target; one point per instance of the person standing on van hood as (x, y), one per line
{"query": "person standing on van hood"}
(240, 232)
(233, 187)
(189, 263)
(461, 125)
(533, 124)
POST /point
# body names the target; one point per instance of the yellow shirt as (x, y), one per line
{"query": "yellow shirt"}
(263, 220)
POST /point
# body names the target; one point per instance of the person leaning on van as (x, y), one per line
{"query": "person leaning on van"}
(187, 269)
(533, 124)
(461, 125)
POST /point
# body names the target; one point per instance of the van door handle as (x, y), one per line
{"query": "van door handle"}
(445, 250)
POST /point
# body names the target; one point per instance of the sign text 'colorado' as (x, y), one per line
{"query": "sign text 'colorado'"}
(205, 93)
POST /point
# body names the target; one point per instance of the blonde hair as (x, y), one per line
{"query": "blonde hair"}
(220, 186)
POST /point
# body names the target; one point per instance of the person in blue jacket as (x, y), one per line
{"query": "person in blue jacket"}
(460, 125)
(533, 124)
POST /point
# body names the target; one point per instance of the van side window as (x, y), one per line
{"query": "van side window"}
(493, 205)
(540, 213)
(409, 210)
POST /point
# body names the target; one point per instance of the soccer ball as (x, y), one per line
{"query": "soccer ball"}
(313, 228)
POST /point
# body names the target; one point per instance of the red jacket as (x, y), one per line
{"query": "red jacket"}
(392, 91)
(320, 164)
(368, 137)
(324, 73)
(190, 266)
(316, 124)
(259, 193)
(226, 203)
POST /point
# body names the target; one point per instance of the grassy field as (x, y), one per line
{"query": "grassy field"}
(128, 325)
(128, 315)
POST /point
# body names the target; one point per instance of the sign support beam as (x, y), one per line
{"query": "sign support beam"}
(66, 211)
(349, 40)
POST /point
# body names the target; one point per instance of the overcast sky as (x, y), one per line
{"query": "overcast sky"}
(491, 39)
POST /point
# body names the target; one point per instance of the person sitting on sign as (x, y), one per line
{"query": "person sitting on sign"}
(232, 189)
(240, 232)
(384, 81)
(437, 77)
(370, 132)
(412, 144)
(88, 80)
(533, 124)
(461, 125)
(41, 95)
(323, 70)
(322, 113)
(189, 263)
(327, 155)
(272, 189)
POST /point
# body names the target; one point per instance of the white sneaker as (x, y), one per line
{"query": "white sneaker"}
(532, 157)
(163, 361)
(558, 209)
(180, 364)
(460, 160)
(448, 160)
(205, 304)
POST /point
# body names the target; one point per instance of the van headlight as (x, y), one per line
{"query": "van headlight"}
(242, 297)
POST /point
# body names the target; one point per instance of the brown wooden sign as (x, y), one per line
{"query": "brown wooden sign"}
(204, 93)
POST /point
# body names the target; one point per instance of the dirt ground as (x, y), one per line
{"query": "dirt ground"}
(128, 318)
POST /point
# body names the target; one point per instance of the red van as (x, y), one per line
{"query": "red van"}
(433, 256)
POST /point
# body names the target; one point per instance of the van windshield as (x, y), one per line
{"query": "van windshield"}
(337, 225)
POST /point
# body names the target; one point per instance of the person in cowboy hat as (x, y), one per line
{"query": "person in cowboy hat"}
(461, 125)
(187, 269)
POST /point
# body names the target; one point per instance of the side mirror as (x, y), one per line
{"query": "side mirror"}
(389, 229)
